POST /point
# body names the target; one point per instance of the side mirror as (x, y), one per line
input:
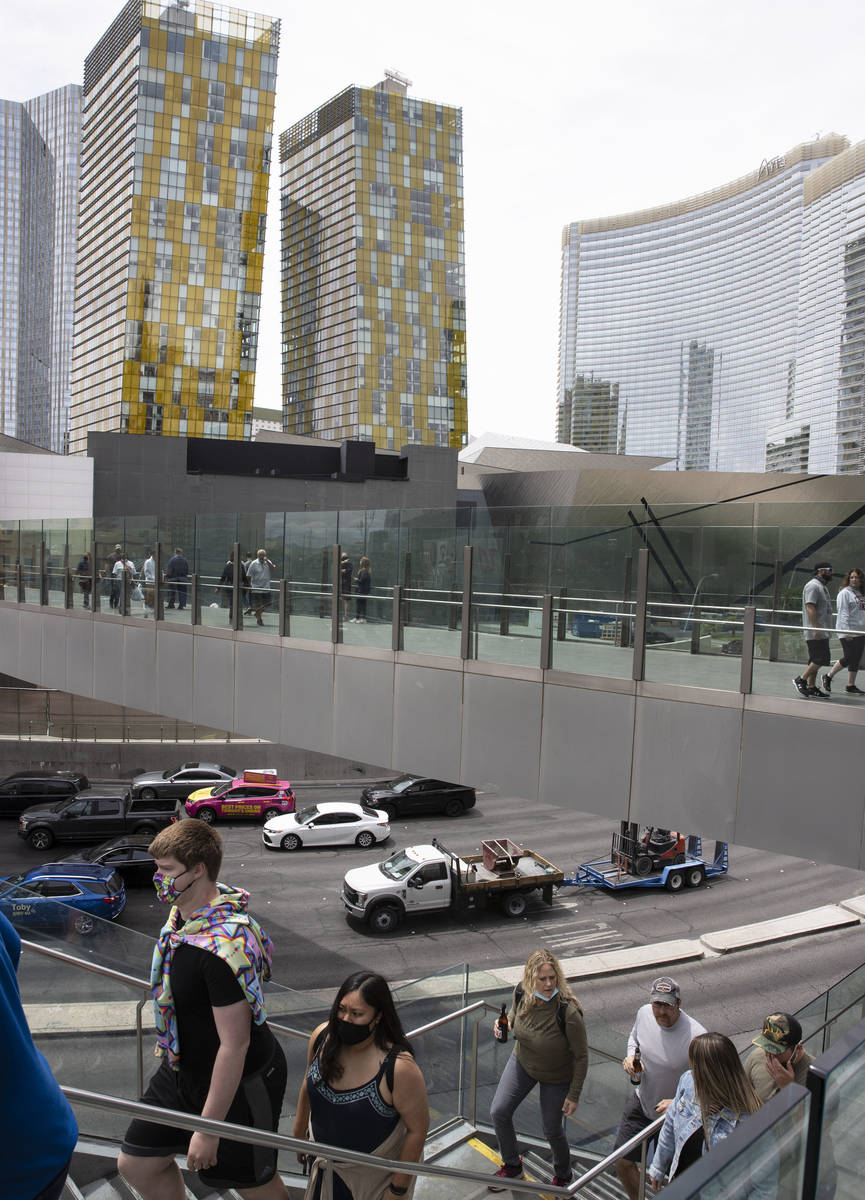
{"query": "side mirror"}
(415, 882)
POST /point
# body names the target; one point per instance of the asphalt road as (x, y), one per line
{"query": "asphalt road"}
(296, 897)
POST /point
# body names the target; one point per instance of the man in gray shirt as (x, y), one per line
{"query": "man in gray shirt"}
(662, 1033)
(259, 575)
(816, 623)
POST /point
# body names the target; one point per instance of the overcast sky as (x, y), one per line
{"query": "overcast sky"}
(570, 110)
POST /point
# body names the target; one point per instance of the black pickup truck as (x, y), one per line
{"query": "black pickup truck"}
(94, 814)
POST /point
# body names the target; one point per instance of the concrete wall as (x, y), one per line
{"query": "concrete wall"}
(756, 770)
(130, 474)
(44, 487)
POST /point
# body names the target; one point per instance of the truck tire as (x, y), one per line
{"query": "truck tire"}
(695, 877)
(454, 807)
(675, 881)
(384, 918)
(148, 793)
(642, 866)
(514, 905)
(207, 815)
(147, 827)
(41, 839)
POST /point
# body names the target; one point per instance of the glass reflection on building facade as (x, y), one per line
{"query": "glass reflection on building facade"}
(176, 143)
(725, 331)
(373, 287)
(38, 197)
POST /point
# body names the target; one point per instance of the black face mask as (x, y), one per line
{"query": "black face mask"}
(352, 1035)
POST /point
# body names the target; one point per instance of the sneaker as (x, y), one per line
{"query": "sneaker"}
(826, 682)
(562, 1180)
(816, 694)
(854, 691)
(506, 1172)
(800, 685)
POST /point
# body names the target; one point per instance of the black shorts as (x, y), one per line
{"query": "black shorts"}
(818, 651)
(261, 599)
(633, 1121)
(851, 650)
(257, 1103)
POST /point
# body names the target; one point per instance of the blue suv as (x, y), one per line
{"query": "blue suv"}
(44, 896)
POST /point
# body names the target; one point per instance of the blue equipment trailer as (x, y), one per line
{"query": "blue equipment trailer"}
(660, 858)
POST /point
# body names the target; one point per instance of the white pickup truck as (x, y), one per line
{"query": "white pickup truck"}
(422, 879)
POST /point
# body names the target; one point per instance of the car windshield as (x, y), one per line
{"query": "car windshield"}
(220, 788)
(306, 814)
(398, 865)
(225, 770)
(90, 853)
(404, 781)
(167, 774)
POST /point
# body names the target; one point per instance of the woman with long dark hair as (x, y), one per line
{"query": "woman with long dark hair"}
(363, 1091)
(712, 1098)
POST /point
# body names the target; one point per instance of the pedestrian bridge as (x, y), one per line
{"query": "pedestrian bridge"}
(673, 714)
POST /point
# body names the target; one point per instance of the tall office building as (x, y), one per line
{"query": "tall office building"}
(729, 326)
(373, 270)
(38, 205)
(175, 161)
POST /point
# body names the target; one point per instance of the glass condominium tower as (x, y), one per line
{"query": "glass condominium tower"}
(373, 270)
(175, 163)
(725, 331)
(38, 208)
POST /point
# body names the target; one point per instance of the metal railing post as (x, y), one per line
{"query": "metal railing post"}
(406, 583)
(562, 619)
(68, 592)
(124, 590)
(236, 606)
(195, 598)
(638, 669)
(43, 573)
(159, 598)
(19, 583)
(696, 630)
(466, 629)
(504, 611)
(94, 579)
(625, 623)
(473, 1079)
(397, 634)
(546, 632)
(746, 677)
(336, 597)
(774, 634)
(284, 608)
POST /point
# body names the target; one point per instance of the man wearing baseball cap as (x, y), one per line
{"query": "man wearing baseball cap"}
(816, 623)
(663, 1033)
(779, 1057)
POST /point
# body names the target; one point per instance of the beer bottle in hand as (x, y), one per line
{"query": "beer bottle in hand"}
(502, 1025)
(636, 1067)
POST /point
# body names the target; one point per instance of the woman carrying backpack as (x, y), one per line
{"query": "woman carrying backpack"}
(551, 1051)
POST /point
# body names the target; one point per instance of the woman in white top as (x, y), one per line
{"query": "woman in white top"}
(850, 625)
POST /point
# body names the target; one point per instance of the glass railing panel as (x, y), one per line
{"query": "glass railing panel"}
(764, 1158)
(695, 648)
(836, 1078)
(780, 652)
(593, 639)
(9, 555)
(507, 631)
(369, 624)
(175, 602)
(431, 621)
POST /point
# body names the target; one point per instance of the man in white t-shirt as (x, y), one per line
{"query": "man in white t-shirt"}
(662, 1033)
(149, 573)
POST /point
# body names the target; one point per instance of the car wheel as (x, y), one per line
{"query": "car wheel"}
(207, 815)
(148, 793)
(675, 881)
(364, 839)
(514, 905)
(695, 877)
(41, 839)
(385, 918)
(291, 842)
(270, 813)
(147, 827)
(642, 866)
(84, 923)
(454, 807)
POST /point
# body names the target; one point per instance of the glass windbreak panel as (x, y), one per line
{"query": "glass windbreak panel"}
(839, 1171)
(9, 542)
(698, 647)
(767, 1165)
(593, 638)
(309, 541)
(439, 1051)
(56, 562)
(370, 621)
(175, 601)
(215, 535)
(31, 550)
(507, 633)
(80, 535)
(780, 653)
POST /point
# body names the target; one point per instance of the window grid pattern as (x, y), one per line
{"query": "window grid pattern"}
(373, 272)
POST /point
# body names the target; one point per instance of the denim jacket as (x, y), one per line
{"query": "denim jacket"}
(684, 1118)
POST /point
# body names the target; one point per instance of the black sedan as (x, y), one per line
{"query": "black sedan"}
(126, 854)
(180, 783)
(410, 794)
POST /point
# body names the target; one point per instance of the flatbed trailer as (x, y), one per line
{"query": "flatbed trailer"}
(502, 866)
(687, 868)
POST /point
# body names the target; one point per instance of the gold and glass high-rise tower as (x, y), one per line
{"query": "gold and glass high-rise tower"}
(175, 163)
(373, 270)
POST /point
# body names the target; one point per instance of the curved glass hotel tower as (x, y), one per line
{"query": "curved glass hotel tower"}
(725, 331)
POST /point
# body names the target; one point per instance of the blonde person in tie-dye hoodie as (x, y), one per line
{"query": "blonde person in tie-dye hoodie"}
(219, 1058)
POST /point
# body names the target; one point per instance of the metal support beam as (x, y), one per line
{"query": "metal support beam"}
(466, 630)
(335, 577)
(638, 670)
(397, 628)
(747, 669)
(236, 600)
(546, 632)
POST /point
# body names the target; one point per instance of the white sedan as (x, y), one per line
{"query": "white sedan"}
(331, 823)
